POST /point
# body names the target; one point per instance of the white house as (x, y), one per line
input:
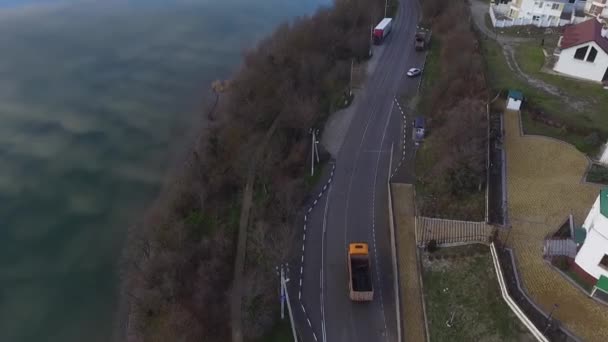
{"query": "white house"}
(584, 51)
(538, 11)
(592, 256)
(542, 13)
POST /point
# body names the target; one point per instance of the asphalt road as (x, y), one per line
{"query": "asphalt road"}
(354, 205)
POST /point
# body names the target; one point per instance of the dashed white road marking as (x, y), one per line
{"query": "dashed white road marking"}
(326, 186)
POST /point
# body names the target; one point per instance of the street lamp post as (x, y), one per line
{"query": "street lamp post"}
(549, 318)
(284, 298)
(314, 150)
(385, 7)
(350, 83)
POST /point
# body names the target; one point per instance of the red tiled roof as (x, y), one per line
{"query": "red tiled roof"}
(587, 31)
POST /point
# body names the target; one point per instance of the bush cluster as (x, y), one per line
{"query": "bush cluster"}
(458, 119)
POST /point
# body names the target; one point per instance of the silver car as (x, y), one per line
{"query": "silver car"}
(413, 72)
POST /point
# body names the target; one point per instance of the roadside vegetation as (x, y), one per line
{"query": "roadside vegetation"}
(463, 299)
(180, 257)
(450, 164)
(598, 174)
(582, 123)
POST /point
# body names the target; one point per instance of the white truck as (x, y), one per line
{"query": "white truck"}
(382, 30)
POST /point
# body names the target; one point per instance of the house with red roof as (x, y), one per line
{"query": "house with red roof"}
(584, 51)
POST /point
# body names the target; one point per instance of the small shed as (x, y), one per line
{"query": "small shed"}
(514, 99)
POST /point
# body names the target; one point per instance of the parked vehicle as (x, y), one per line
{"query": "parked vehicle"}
(413, 72)
(419, 129)
(422, 38)
(359, 270)
(382, 30)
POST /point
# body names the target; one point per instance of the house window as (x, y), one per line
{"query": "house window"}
(592, 54)
(535, 17)
(604, 261)
(555, 6)
(581, 52)
(595, 10)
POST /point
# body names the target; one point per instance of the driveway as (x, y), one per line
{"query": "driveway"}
(544, 185)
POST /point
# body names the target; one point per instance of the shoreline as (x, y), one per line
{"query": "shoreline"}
(122, 317)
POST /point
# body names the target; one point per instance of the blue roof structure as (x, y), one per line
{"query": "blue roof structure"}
(516, 95)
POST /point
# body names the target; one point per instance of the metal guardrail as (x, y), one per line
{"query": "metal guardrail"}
(510, 302)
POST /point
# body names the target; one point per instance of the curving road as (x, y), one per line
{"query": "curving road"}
(354, 207)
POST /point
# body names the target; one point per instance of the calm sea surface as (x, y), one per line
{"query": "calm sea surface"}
(93, 98)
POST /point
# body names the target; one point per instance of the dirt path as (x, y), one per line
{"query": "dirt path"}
(479, 10)
(239, 262)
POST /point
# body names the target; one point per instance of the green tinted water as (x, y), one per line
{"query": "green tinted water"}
(92, 98)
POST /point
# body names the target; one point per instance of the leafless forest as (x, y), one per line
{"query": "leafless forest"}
(454, 180)
(179, 259)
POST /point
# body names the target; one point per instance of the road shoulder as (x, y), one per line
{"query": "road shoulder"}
(409, 271)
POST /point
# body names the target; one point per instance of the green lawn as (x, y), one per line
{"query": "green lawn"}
(535, 127)
(465, 287)
(598, 174)
(311, 181)
(580, 123)
(577, 279)
(432, 70)
(530, 57)
(281, 332)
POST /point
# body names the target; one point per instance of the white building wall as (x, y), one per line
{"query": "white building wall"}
(594, 248)
(543, 9)
(594, 71)
(596, 243)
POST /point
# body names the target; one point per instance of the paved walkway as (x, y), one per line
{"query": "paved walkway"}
(544, 185)
(409, 272)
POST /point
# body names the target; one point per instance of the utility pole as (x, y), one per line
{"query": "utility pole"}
(555, 306)
(350, 83)
(385, 7)
(317, 145)
(312, 154)
(285, 298)
(371, 33)
(282, 294)
(314, 150)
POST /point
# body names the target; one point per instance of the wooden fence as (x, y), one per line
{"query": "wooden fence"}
(446, 232)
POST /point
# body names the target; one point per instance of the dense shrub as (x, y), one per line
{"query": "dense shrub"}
(457, 118)
(180, 257)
